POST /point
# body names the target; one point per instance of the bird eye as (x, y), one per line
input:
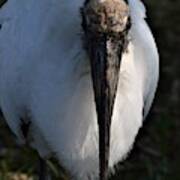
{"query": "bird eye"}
(113, 21)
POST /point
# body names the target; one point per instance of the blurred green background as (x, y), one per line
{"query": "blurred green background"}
(156, 154)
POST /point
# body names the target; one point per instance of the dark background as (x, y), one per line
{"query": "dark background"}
(156, 155)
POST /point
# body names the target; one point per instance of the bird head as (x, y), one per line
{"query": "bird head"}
(106, 24)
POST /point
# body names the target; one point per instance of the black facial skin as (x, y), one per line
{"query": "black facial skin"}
(105, 39)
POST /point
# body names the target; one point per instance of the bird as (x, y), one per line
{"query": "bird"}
(77, 79)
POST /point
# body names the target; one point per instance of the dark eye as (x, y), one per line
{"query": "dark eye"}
(113, 21)
(0, 26)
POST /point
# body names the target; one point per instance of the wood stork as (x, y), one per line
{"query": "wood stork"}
(77, 85)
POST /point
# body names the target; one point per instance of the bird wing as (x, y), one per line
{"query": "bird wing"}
(145, 51)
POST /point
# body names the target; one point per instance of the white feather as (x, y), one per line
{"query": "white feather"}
(45, 72)
(137, 9)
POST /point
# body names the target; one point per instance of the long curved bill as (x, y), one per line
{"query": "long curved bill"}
(104, 47)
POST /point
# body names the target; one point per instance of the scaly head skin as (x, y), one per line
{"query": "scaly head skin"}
(108, 16)
(106, 24)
